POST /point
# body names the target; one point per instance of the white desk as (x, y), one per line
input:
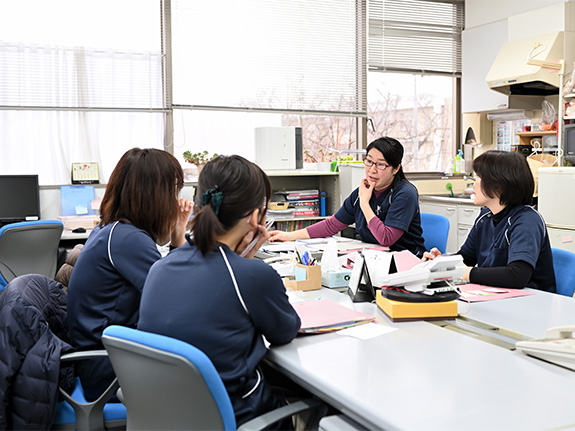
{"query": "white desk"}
(424, 377)
(69, 235)
(530, 316)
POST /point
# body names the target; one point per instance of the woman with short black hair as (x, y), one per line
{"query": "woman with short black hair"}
(508, 245)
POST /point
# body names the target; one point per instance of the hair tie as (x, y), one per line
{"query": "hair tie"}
(215, 197)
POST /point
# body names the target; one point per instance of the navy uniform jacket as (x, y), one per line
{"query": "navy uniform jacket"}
(398, 208)
(522, 235)
(104, 292)
(192, 298)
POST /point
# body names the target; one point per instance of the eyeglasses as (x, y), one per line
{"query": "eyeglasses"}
(467, 178)
(380, 166)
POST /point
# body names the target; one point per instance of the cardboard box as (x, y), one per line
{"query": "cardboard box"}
(306, 278)
(399, 311)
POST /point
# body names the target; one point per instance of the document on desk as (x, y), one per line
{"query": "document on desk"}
(324, 315)
(471, 292)
(275, 247)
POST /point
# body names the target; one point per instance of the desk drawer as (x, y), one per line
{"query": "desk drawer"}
(466, 214)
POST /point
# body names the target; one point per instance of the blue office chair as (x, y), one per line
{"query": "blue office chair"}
(564, 267)
(168, 384)
(29, 248)
(435, 231)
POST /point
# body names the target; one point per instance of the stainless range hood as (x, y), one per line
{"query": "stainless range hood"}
(528, 67)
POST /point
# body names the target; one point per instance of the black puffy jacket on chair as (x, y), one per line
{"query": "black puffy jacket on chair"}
(33, 336)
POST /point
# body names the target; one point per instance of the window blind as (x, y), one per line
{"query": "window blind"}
(36, 76)
(94, 56)
(283, 55)
(417, 36)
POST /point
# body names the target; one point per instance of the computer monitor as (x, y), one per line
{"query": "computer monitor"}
(19, 198)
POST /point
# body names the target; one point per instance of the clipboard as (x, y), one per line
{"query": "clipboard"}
(85, 173)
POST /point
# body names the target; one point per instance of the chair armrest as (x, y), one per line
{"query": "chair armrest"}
(269, 418)
(98, 404)
(88, 354)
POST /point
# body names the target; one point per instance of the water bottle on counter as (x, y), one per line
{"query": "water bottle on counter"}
(459, 162)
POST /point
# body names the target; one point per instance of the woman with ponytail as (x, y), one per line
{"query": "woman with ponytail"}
(206, 294)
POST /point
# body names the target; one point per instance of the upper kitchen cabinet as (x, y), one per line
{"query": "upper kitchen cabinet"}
(479, 47)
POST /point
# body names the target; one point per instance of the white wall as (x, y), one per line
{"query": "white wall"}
(480, 12)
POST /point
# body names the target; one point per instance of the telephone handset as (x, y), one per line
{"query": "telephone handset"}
(558, 346)
(561, 332)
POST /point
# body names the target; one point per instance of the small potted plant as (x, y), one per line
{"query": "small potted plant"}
(199, 159)
(321, 158)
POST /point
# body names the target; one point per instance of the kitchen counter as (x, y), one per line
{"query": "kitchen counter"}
(458, 199)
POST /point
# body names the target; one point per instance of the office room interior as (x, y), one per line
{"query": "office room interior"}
(301, 89)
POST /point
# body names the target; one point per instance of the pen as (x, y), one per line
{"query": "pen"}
(256, 239)
(305, 258)
(298, 256)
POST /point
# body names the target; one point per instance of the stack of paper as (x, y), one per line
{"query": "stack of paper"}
(324, 315)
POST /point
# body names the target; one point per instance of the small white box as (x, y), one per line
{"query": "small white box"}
(279, 148)
(339, 278)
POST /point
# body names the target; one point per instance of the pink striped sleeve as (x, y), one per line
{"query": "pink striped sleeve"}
(385, 235)
(325, 228)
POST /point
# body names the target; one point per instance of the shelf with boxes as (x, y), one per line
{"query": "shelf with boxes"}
(537, 141)
(292, 182)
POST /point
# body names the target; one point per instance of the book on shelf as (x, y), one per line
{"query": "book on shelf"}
(307, 213)
(304, 203)
(291, 225)
(292, 195)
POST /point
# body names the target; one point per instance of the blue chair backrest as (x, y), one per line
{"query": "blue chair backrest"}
(180, 379)
(29, 248)
(435, 231)
(564, 267)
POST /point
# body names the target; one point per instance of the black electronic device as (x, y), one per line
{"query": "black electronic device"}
(19, 198)
(569, 143)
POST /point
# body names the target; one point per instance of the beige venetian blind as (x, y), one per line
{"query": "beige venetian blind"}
(417, 36)
(267, 55)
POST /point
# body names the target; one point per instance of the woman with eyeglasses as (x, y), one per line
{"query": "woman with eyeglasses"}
(206, 294)
(384, 208)
(508, 246)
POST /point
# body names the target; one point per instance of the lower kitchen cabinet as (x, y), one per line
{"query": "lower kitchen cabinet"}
(461, 214)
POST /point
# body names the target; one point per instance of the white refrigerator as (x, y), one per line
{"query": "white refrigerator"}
(557, 205)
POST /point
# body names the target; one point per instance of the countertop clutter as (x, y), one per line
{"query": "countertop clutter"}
(458, 198)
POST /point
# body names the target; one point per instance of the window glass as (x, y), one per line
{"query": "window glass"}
(230, 132)
(77, 73)
(417, 110)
